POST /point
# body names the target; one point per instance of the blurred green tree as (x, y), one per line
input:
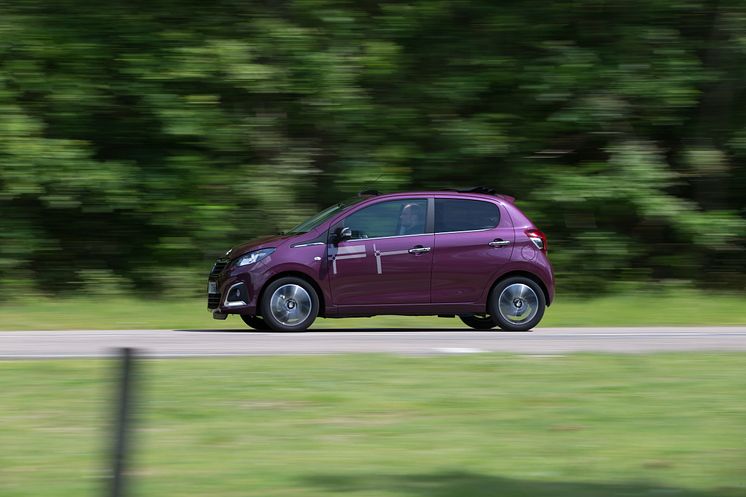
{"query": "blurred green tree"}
(138, 137)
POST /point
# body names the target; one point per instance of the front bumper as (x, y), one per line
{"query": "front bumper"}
(213, 283)
(231, 290)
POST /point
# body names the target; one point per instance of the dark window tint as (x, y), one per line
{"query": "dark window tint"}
(396, 217)
(464, 215)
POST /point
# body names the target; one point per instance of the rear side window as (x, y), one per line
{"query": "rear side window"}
(392, 218)
(464, 215)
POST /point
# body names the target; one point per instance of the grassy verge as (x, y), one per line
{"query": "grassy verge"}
(574, 426)
(679, 307)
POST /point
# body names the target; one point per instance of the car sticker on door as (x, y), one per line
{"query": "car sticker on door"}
(348, 252)
(380, 254)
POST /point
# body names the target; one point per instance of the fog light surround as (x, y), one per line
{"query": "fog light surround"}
(236, 295)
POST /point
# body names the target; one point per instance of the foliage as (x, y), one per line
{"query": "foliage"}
(139, 137)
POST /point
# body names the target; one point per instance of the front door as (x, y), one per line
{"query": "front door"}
(389, 258)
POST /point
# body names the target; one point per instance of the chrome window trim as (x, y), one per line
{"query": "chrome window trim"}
(465, 231)
(383, 237)
(235, 303)
(311, 244)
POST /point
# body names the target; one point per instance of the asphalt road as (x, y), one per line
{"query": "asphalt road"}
(543, 341)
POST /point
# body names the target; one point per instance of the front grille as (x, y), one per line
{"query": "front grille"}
(213, 300)
(218, 268)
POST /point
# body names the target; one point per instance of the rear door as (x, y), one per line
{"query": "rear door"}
(473, 239)
(389, 258)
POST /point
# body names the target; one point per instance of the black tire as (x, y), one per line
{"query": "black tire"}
(292, 303)
(479, 321)
(255, 322)
(515, 298)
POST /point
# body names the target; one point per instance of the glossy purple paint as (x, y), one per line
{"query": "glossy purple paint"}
(372, 276)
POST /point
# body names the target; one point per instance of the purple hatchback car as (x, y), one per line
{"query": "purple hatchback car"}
(468, 253)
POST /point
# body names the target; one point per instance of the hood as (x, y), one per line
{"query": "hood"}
(258, 243)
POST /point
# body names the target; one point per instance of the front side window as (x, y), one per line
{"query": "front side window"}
(464, 215)
(392, 218)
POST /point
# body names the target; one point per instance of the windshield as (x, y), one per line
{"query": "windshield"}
(322, 216)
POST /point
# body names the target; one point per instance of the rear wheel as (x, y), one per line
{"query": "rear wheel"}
(517, 303)
(289, 304)
(255, 322)
(479, 321)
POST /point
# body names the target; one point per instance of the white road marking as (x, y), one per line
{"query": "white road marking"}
(459, 350)
(542, 356)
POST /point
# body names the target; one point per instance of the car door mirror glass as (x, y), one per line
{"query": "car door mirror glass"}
(342, 234)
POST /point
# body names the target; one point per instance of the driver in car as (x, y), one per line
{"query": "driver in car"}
(411, 220)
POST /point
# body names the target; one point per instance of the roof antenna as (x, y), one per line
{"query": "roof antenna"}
(368, 191)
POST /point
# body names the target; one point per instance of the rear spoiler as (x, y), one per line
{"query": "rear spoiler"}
(507, 198)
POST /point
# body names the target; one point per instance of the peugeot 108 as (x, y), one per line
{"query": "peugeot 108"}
(468, 253)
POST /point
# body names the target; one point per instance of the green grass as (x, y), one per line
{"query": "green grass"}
(665, 307)
(478, 425)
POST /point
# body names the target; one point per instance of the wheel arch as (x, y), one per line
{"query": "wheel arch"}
(525, 274)
(295, 274)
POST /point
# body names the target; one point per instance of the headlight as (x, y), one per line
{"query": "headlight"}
(254, 256)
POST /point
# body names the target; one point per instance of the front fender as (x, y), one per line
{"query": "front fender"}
(315, 273)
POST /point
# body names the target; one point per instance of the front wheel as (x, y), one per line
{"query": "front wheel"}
(517, 303)
(255, 322)
(479, 321)
(289, 304)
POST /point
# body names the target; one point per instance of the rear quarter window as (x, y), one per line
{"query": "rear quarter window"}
(465, 215)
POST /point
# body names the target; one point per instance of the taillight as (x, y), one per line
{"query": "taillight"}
(538, 238)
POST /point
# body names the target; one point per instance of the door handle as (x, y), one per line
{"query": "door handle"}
(499, 243)
(419, 250)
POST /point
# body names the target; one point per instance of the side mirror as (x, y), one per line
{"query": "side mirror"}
(342, 234)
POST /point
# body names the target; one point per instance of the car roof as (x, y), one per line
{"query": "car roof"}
(446, 193)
